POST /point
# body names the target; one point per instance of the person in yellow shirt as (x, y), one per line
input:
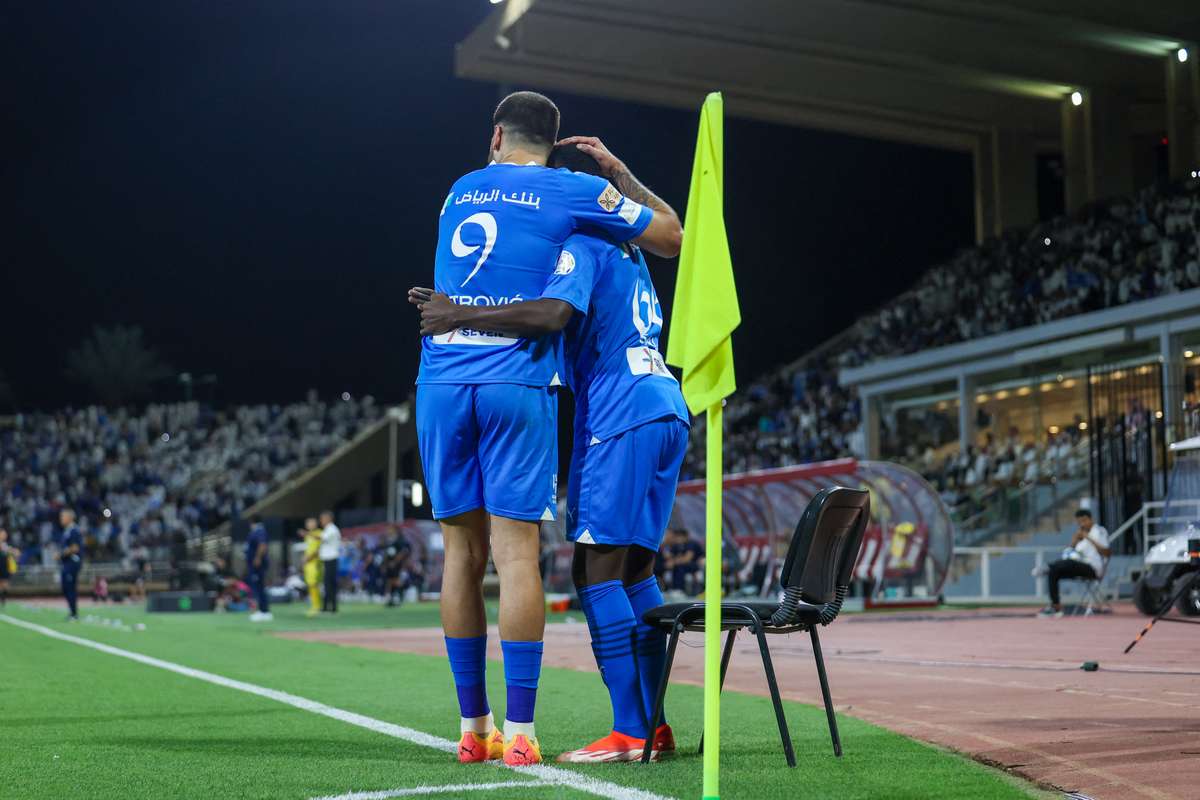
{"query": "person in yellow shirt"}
(312, 564)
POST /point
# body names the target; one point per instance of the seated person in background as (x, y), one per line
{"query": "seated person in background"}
(399, 553)
(682, 557)
(1084, 560)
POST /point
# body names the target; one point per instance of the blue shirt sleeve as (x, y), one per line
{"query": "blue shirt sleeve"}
(575, 274)
(595, 206)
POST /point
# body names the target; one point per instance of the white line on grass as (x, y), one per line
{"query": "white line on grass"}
(543, 772)
(422, 790)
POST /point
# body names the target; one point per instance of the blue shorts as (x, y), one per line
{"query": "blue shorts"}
(492, 446)
(622, 489)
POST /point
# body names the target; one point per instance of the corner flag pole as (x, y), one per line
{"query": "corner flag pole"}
(712, 601)
(704, 316)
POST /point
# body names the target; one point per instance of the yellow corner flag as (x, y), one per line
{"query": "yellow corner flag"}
(704, 315)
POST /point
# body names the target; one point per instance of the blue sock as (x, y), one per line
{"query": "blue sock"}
(522, 667)
(468, 662)
(611, 622)
(651, 643)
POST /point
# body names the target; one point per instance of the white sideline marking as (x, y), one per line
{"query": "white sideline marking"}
(458, 787)
(543, 772)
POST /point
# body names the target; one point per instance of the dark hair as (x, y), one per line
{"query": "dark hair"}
(569, 156)
(1083, 512)
(529, 116)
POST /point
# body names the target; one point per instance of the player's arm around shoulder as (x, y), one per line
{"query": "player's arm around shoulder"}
(527, 318)
(663, 236)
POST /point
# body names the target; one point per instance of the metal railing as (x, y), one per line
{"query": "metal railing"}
(985, 555)
(1146, 520)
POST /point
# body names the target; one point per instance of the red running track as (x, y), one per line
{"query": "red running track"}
(998, 684)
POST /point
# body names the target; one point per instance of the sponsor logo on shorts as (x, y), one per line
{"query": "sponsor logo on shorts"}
(610, 198)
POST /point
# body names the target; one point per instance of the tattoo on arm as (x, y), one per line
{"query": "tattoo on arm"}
(635, 190)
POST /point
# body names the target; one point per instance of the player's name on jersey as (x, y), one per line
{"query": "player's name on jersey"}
(477, 198)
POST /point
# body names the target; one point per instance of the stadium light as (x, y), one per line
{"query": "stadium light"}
(166, 437)
(495, 2)
(1076, 98)
(1182, 55)
(1083, 426)
(418, 495)
(1158, 415)
(1046, 241)
(1188, 353)
(107, 513)
(346, 397)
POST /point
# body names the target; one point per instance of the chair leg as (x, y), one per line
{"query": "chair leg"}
(724, 667)
(647, 751)
(820, 659)
(775, 698)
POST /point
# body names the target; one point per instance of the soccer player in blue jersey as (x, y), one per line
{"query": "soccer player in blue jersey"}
(486, 410)
(631, 427)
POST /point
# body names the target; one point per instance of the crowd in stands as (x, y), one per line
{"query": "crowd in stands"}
(145, 482)
(1109, 254)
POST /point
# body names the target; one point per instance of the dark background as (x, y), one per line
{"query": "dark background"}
(256, 184)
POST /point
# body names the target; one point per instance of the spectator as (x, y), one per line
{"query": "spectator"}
(682, 557)
(1084, 560)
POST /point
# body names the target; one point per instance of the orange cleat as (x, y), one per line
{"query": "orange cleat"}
(664, 740)
(520, 751)
(614, 747)
(475, 747)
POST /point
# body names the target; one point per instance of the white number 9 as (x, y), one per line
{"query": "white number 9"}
(460, 250)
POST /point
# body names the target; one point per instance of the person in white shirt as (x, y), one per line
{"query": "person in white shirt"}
(1085, 561)
(329, 552)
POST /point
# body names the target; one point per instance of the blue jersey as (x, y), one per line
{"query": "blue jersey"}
(499, 238)
(258, 535)
(614, 367)
(71, 536)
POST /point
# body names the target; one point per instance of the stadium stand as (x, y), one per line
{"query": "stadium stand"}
(1109, 254)
(146, 481)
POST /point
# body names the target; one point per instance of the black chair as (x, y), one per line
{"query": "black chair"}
(815, 579)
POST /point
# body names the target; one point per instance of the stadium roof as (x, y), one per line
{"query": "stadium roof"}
(934, 72)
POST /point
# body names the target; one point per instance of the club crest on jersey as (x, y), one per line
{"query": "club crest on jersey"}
(566, 263)
(609, 198)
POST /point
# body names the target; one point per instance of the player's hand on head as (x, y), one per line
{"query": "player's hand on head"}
(610, 165)
(438, 314)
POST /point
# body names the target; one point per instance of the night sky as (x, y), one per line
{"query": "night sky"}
(256, 184)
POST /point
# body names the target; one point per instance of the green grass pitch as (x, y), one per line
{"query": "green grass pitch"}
(81, 724)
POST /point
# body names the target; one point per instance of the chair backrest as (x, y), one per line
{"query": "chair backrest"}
(826, 543)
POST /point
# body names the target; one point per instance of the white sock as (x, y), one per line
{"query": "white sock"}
(481, 725)
(512, 729)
